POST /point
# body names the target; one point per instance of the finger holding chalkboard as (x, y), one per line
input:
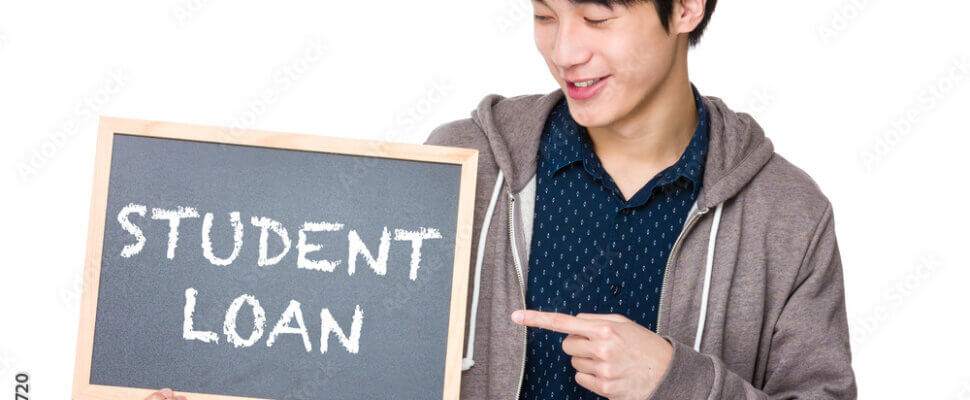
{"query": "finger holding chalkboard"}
(164, 394)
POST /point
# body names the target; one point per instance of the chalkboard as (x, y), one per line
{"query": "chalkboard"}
(244, 264)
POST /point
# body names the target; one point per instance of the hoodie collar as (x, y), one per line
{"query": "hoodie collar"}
(737, 147)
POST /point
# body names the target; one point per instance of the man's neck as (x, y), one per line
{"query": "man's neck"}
(654, 134)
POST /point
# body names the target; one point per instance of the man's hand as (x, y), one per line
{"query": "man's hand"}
(164, 394)
(614, 357)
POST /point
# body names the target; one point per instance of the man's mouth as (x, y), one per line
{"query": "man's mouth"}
(586, 83)
(585, 88)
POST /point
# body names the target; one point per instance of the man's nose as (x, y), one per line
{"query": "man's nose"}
(570, 47)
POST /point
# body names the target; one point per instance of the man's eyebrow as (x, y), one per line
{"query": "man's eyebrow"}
(574, 2)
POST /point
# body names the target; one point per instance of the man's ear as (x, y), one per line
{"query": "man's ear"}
(687, 14)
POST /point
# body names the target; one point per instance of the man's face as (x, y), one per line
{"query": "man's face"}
(628, 49)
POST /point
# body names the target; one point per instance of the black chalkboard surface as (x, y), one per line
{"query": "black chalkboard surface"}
(256, 265)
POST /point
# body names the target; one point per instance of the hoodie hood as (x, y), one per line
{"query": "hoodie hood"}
(737, 148)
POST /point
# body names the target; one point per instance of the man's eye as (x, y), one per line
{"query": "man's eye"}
(541, 17)
(596, 21)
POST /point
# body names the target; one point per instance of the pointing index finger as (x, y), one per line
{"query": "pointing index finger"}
(558, 322)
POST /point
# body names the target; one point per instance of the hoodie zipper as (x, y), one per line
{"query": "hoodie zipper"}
(670, 260)
(518, 271)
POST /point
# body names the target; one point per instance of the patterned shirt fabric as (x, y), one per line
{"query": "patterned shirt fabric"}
(592, 250)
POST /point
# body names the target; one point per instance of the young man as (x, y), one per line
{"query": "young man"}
(660, 247)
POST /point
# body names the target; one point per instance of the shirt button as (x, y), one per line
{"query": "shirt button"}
(615, 289)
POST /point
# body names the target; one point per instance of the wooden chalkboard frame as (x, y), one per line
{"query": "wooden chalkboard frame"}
(109, 126)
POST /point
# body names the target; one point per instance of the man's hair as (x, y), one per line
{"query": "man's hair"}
(665, 9)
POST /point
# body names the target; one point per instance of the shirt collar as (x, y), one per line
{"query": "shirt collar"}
(566, 142)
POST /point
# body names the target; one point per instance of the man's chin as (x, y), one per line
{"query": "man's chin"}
(590, 114)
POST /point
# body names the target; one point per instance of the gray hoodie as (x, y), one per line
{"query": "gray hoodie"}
(752, 298)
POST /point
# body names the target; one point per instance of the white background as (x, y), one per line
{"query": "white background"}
(868, 96)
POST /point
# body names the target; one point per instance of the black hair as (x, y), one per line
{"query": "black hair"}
(665, 9)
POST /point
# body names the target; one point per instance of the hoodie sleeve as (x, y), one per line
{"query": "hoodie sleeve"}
(809, 356)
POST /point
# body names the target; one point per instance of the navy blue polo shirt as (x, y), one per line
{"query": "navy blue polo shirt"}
(592, 250)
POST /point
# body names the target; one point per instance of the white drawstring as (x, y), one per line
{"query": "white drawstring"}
(468, 361)
(707, 278)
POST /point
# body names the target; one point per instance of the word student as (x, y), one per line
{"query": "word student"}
(267, 226)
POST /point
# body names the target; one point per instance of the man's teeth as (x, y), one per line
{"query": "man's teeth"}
(588, 83)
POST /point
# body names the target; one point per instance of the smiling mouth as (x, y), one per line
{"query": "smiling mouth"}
(587, 88)
(585, 83)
